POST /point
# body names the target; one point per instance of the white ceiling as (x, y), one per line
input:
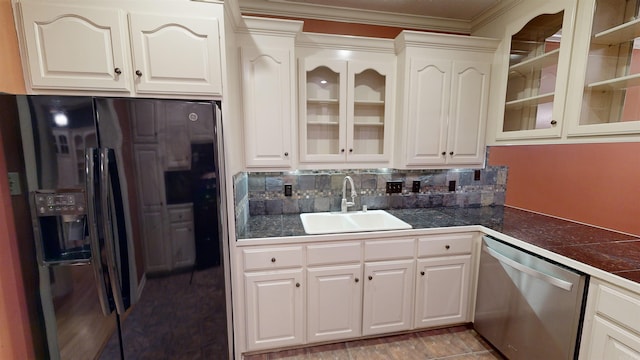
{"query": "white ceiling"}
(439, 15)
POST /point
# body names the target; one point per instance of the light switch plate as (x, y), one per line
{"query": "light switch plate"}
(14, 183)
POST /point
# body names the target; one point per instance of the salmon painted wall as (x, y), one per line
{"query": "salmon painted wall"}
(11, 80)
(596, 184)
(15, 337)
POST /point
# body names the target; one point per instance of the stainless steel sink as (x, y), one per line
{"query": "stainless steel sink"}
(354, 221)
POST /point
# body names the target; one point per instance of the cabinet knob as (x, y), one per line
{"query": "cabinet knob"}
(357, 280)
(138, 73)
(451, 153)
(117, 71)
(553, 122)
(286, 154)
(273, 259)
(447, 247)
(370, 277)
(297, 284)
(444, 153)
(350, 150)
(341, 150)
(422, 273)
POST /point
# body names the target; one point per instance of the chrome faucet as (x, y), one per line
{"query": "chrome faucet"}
(344, 205)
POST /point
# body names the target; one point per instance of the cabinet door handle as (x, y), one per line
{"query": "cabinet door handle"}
(447, 247)
(341, 150)
(138, 73)
(444, 153)
(422, 273)
(451, 153)
(553, 122)
(357, 280)
(370, 277)
(350, 150)
(117, 71)
(273, 260)
(297, 284)
(286, 154)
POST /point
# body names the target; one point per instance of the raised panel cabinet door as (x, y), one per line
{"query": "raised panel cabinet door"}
(429, 92)
(156, 250)
(267, 94)
(387, 302)
(149, 175)
(334, 302)
(174, 54)
(442, 291)
(74, 47)
(183, 244)
(610, 341)
(468, 114)
(274, 308)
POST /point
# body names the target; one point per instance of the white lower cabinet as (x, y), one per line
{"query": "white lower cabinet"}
(386, 306)
(442, 291)
(612, 323)
(334, 298)
(344, 290)
(274, 305)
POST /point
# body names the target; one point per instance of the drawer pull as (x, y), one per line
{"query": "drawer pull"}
(370, 277)
(447, 247)
(273, 260)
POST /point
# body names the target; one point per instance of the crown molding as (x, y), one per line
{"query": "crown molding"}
(416, 39)
(345, 42)
(493, 13)
(361, 16)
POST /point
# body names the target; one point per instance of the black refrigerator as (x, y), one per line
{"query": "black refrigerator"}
(125, 205)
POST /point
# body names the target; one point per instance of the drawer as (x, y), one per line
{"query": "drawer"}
(621, 306)
(180, 215)
(339, 253)
(445, 245)
(389, 249)
(272, 258)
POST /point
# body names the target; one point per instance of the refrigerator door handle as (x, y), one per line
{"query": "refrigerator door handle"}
(106, 196)
(91, 155)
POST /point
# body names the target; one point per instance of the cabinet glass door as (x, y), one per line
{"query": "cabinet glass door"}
(611, 92)
(324, 113)
(533, 66)
(368, 113)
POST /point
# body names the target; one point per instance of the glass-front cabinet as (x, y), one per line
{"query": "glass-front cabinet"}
(538, 70)
(606, 95)
(344, 110)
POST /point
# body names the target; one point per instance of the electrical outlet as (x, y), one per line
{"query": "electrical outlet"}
(476, 175)
(415, 187)
(287, 190)
(452, 185)
(394, 187)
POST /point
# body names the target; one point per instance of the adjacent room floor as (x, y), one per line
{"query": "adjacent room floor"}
(456, 343)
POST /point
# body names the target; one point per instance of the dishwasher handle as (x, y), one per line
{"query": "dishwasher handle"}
(565, 285)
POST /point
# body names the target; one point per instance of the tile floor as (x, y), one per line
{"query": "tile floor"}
(456, 343)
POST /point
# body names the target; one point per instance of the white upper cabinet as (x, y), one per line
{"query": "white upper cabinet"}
(605, 89)
(538, 70)
(268, 91)
(101, 48)
(345, 103)
(71, 47)
(175, 54)
(443, 97)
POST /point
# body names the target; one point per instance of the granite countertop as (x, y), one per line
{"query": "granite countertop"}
(610, 251)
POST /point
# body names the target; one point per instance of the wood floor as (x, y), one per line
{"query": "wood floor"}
(82, 329)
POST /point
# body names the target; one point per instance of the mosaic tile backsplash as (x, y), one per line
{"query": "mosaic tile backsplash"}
(262, 193)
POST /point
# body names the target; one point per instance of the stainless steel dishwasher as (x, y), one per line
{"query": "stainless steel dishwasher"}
(528, 307)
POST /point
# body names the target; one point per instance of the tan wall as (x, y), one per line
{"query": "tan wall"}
(592, 183)
(11, 80)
